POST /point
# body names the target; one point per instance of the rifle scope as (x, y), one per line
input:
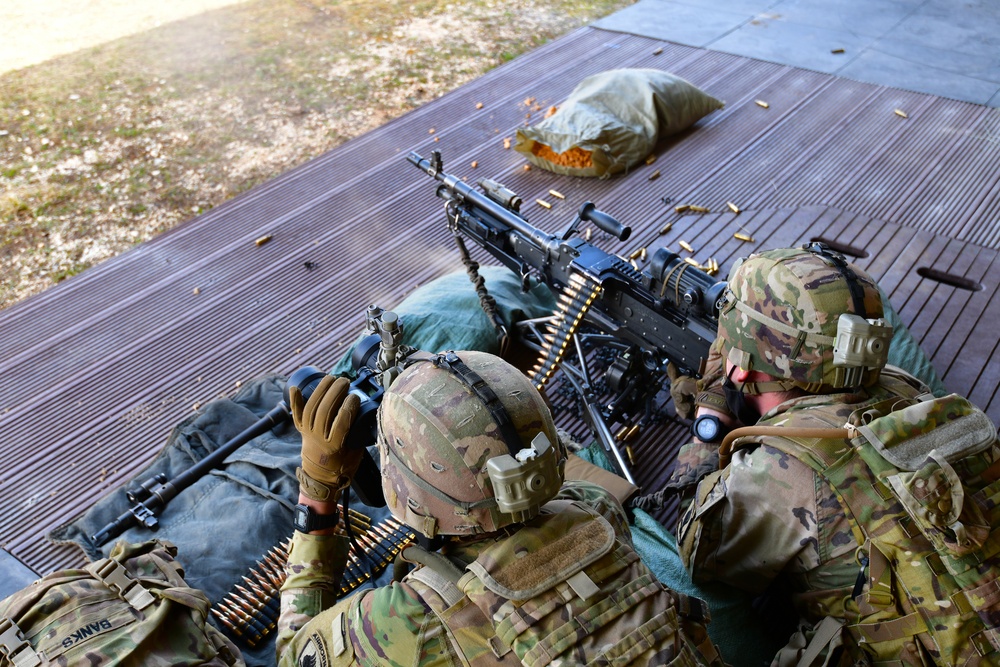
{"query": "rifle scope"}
(685, 286)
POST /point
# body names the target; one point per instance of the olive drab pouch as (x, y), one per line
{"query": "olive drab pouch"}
(132, 608)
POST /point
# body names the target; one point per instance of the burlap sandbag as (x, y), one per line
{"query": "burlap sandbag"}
(612, 121)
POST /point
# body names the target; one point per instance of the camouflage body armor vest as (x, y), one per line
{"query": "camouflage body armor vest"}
(132, 608)
(918, 481)
(562, 590)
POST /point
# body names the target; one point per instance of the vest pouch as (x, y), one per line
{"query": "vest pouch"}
(545, 553)
(921, 441)
(935, 499)
(565, 590)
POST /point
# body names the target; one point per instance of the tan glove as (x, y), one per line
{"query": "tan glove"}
(324, 421)
(709, 392)
(682, 389)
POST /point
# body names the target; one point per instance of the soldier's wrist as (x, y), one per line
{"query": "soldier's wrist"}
(320, 511)
(315, 489)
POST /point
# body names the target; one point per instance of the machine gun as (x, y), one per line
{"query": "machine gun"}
(667, 313)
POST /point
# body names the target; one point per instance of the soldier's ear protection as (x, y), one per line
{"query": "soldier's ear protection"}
(525, 477)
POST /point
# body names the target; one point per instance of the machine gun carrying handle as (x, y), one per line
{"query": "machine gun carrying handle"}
(604, 221)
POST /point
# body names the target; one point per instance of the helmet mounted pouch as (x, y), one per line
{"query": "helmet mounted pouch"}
(527, 480)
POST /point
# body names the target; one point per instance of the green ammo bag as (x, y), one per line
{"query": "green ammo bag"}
(132, 608)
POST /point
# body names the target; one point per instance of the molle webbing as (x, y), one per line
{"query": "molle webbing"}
(904, 564)
(563, 588)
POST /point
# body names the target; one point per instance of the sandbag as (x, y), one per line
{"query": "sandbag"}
(612, 121)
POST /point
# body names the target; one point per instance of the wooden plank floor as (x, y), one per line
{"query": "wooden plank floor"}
(96, 371)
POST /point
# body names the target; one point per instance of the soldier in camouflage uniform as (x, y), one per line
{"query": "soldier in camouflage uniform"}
(855, 498)
(529, 571)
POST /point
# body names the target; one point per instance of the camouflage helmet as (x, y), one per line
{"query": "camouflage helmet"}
(805, 315)
(467, 445)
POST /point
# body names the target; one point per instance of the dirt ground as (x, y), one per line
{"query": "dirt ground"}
(33, 31)
(108, 145)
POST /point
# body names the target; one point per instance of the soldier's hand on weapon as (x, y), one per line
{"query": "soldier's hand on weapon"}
(683, 389)
(324, 422)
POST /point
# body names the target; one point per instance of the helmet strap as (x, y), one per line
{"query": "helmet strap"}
(482, 391)
(840, 262)
(736, 401)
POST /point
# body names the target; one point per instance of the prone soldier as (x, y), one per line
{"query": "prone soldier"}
(519, 567)
(849, 495)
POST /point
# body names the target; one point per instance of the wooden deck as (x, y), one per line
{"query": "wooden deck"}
(96, 371)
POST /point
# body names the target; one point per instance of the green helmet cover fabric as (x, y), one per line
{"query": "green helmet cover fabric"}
(781, 315)
(436, 435)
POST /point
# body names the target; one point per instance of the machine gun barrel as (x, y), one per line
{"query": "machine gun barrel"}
(153, 494)
(453, 187)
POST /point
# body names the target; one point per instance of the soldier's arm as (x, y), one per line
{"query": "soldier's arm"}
(749, 521)
(314, 570)
(389, 625)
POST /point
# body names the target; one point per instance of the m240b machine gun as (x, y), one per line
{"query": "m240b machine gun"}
(667, 313)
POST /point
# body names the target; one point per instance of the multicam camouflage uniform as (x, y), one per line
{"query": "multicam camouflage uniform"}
(880, 524)
(132, 608)
(767, 519)
(612, 609)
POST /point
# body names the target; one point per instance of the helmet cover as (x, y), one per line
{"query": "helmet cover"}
(436, 436)
(782, 312)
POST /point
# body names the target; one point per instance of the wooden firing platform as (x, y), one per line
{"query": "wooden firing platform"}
(97, 370)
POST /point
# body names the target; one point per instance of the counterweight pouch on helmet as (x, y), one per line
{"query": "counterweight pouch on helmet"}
(132, 608)
(564, 590)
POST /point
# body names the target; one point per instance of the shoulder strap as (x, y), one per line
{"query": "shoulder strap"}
(476, 629)
(437, 572)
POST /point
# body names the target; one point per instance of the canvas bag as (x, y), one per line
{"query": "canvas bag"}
(616, 117)
(132, 608)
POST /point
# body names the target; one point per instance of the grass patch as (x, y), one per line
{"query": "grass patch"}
(122, 141)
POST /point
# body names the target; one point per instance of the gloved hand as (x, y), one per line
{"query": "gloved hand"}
(682, 389)
(324, 421)
(709, 392)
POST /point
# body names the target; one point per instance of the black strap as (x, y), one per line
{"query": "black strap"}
(853, 282)
(477, 384)
(486, 301)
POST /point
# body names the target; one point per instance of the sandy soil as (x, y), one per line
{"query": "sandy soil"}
(33, 31)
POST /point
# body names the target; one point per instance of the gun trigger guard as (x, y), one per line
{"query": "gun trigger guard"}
(525, 279)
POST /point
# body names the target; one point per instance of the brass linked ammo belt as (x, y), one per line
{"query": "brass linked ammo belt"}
(727, 447)
(249, 612)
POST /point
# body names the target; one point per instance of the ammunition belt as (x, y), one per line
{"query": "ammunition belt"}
(573, 304)
(250, 611)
